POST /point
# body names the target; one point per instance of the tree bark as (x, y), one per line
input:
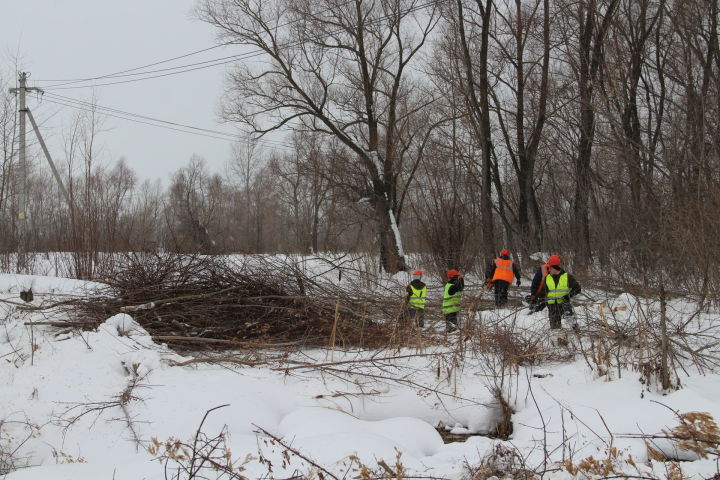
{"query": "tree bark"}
(488, 233)
(480, 115)
(592, 37)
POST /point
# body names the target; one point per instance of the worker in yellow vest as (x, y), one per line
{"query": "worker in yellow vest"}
(416, 299)
(559, 287)
(452, 298)
(500, 275)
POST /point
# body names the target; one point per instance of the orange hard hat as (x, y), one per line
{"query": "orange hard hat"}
(504, 251)
(453, 273)
(553, 261)
(417, 272)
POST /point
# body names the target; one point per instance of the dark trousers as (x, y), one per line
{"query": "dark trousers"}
(416, 316)
(451, 322)
(555, 312)
(501, 292)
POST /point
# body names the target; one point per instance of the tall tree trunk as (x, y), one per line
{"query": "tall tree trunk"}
(581, 210)
(314, 236)
(592, 37)
(527, 150)
(480, 116)
(391, 252)
(534, 142)
(524, 166)
(664, 341)
(488, 234)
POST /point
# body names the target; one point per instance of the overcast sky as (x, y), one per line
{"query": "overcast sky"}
(72, 39)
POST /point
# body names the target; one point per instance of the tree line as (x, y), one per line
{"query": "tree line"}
(452, 128)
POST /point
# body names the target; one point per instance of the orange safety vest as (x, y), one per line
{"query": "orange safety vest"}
(503, 270)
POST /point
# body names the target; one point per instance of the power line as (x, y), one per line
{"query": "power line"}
(215, 62)
(156, 122)
(203, 131)
(231, 57)
(122, 72)
(155, 76)
(79, 80)
(78, 107)
(90, 105)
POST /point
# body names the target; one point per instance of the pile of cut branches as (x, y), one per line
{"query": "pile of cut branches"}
(182, 299)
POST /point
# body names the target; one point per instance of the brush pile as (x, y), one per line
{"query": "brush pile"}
(181, 299)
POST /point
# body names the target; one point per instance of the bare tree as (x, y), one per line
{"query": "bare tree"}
(193, 204)
(593, 24)
(84, 168)
(305, 187)
(8, 142)
(446, 202)
(114, 195)
(634, 111)
(248, 169)
(520, 100)
(340, 69)
(143, 221)
(477, 88)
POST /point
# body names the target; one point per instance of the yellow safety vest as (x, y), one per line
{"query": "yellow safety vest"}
(451, 303)
(417, 297)
(556, 292)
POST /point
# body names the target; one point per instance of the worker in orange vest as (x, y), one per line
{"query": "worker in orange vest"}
(500, 274)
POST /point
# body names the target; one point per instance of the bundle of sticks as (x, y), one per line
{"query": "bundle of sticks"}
(179, 298)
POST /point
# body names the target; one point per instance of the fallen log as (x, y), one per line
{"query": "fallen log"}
(65, 324)
(173, 338)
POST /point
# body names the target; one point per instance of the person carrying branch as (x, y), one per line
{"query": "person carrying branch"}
(416, 298)
(452, 299)
(559, 287)
(500, 274)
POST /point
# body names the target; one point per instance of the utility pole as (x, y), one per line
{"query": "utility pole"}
(24, 112)
(23, 174)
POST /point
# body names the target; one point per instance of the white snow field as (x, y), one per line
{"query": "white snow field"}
(96, 405)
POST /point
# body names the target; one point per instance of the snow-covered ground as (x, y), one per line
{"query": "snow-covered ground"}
(109, 403)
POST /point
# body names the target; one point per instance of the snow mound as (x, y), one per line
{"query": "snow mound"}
(333, 434)
(145, 356)
(458, 429)
(626, 300)
(124, 325)
(669, 448)
(142, 362)
(485, 420)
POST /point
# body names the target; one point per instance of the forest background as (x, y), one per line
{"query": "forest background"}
(453, 129)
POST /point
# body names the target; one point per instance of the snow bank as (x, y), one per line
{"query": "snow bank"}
(380, 439)
(98, 397)
(11, 283)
